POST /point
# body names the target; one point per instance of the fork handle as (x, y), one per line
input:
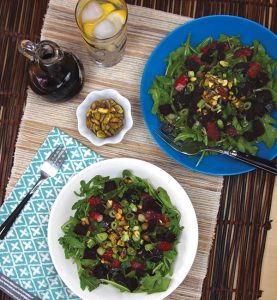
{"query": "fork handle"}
(5, 227)
(255, 161)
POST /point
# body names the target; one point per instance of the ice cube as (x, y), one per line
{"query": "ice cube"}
(104, 30)
(92, 11)
(118, 18)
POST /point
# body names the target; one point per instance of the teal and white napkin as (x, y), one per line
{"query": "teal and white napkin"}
(24, 253)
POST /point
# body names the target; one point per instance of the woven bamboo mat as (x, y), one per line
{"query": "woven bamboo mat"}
(41, 116)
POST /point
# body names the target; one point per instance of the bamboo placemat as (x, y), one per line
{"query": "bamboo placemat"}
(146, 28)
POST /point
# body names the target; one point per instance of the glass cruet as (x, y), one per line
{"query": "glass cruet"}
(54, 73)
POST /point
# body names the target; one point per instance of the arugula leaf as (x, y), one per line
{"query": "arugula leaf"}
(154, 284)
(72, 246)
(69, 224)
(87, 281)
(122, 288)
(164, 198)
(269, 136)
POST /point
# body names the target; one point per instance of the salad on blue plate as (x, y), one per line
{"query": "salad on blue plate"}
(219, 93)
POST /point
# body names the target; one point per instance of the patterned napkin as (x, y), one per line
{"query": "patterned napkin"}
(24, 256)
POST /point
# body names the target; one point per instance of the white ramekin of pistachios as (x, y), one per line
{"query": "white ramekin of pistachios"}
(104, 117)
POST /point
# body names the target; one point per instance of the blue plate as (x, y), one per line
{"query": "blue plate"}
(200, 29)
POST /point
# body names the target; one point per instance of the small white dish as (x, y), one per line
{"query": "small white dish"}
(84, 107)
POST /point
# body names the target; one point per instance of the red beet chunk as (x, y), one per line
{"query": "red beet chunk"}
(109, 186)
(212, 131)
(94, 201)
(243, 52)
(164, 246)
(90, 253)
(165, 109)
(81, 229)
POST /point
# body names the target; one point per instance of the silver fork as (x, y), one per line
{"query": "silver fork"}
(193, 148)
(49, 168)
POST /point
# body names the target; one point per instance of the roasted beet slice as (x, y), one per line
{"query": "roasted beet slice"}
(120, 279)
(231, 131)
(152, 225)
(155, 255)
(181, 100)
(109, 186)
(222, 46)
(241, 67)
(258, 128)
(263, 96)
(249, 136)
(270, 107)
(100, 208)
(261, 79)
(90, 253)
(212, 131)
(107, 220)
(81, 229)
(190, 120)
(165, 109)
(193, 63)
(140, 273)
(207, 57)
(151, 204)
(220, 56)
(257, 109)
(132, 195)
(246, 90)
(243, 52)
(101, 271)
(132, 283)
(169, 237)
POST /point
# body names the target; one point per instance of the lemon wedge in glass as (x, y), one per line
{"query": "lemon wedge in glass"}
(118, 18)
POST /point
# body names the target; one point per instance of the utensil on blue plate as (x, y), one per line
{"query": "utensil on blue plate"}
(193, 148)
(48, 169)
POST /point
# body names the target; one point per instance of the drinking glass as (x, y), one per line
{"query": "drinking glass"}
(103, 26)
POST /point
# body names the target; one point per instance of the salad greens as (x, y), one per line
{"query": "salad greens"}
(219, 93)
(124, 232)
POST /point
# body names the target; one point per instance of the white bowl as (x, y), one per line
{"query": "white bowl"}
(84, 107)
(61, 211)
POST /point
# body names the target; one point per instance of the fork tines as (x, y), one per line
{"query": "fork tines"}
(168, 138)
(58, 156)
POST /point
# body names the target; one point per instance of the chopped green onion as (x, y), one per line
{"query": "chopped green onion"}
(112, 214)
(90, 243)
(190, 87)
(100, 251)
(114, 225)
(130, 216)
(216, 108)
(148, 247)
(125, 237)
(141, 218)
(133, 207)
(123, 258)
(220, 123)
(125, 203)
(190, 73)
(201, 103)
(247, 105)
(131, 251)
(101, 237)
